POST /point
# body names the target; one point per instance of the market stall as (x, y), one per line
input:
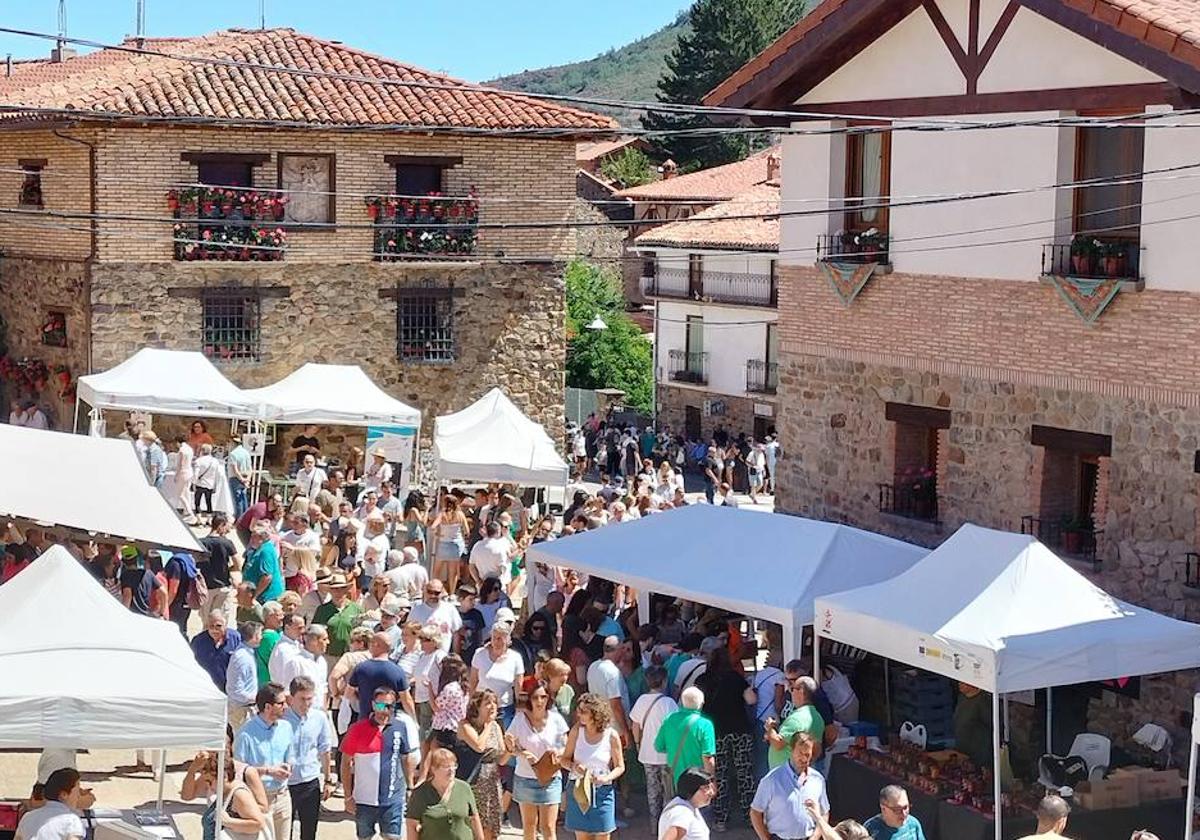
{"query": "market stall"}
(107, 494)
(81, 671)
(492, 440)
(767, 567)
(1000, 612)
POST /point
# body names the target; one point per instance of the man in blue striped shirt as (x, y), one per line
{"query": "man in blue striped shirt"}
(265, 743)
(311, 781)
(241, 677)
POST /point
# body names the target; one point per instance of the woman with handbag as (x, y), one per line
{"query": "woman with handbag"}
(481, 751)
(596, 760)
(242, 816)
(537, 736)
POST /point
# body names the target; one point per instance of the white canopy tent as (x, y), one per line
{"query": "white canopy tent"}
(491, 440)
(108, 493)
(760, 565)
(1002, 612)
(340, 395)
(105, 678)
(167, 382)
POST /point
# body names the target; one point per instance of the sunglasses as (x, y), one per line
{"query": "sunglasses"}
(380, 706)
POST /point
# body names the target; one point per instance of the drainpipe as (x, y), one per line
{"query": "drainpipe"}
(94, 235)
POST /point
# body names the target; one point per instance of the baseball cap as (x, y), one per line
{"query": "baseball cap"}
(505, 616)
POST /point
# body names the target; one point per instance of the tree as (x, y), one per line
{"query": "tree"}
(725, 35)
(617, 357)
(630, 168)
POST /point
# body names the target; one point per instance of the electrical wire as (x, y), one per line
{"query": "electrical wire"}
(660, 107)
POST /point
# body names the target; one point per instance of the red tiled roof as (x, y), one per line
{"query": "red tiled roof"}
(719, 225)
(1172, 27)
(585, 152)
(718, 183)
(135, 85)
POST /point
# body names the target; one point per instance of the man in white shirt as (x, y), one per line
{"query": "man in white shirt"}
(289, 645)
(57, 819)
(490, 556)
(300, 536)
(433, 610)
(309, 662)
(310, 478)
(604, 680)
(405, 575)
(647, 716)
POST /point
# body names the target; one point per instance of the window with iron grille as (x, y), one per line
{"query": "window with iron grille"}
(425, 325)
(231, 323)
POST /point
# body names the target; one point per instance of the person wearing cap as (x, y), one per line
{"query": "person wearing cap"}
(434, 610)
(392, 613)
(405, 574)
(141, 590)
(1052, 814)
(214, 647)
(313, 599)
(378, 472)
(340, 614)
(373, 548)
(263, 570)
(379, 672)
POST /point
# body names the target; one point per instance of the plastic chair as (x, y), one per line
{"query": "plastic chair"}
(1095, 750)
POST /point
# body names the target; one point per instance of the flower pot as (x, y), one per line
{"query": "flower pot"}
(373, 211)
(1081, 264)
(1113, 266)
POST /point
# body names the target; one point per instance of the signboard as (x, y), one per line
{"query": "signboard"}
(764, 410)
(397, 444)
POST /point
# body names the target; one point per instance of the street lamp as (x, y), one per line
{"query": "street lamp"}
(597, 324)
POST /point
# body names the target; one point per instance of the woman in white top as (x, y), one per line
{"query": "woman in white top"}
(425, 674)
(681, 818)
(498, 667)
(538, 730)
(593, 750)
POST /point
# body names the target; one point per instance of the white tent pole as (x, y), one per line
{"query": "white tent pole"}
(997, 807)
(75, 422)
(816, 674)
(1191, 790)
(1050, 721)
(162, 776)
(219, 812)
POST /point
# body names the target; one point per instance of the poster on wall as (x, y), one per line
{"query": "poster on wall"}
(397, 444)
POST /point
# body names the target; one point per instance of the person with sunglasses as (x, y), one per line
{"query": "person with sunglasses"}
(894, 820)
(379, 760)
(265, 742)
(780, 810)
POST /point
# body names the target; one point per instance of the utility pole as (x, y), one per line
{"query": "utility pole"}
(262, 14)
(140, 24)
(62, 26)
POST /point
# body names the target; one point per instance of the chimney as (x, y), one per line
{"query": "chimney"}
(773, 165)
(8, 65)
(61, 53)
(669, 169)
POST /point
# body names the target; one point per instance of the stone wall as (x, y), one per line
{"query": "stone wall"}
(508, 326)
(30, 289)
(673, 401)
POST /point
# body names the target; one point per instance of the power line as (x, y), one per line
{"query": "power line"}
(661, 107)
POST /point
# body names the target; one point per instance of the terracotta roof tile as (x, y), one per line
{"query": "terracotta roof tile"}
(713, 228)
(718, 183)
(159, 86)
(586, 152)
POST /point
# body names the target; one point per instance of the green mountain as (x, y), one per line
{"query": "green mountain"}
(630, 72)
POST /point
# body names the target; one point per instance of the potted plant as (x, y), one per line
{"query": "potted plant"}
(1083, 255)
(1112, 258)
(870, 245)
(1074, 531)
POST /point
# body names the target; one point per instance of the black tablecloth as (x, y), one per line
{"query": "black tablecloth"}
(854, 794)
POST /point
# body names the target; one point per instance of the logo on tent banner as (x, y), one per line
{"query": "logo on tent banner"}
(827, 623)
(960, 661)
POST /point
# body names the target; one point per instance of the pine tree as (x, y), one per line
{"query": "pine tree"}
(725, 35)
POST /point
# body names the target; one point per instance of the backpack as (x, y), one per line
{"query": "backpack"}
(197, 588)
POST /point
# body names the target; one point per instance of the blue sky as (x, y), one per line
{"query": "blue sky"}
(471, 39)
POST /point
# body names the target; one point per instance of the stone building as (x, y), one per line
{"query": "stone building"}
(713, 283)
(117, 229)
(1027, 359)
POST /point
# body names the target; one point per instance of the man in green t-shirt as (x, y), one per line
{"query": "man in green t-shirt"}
(804, 718)
(272, 613)
(339, 615)
(687, 737)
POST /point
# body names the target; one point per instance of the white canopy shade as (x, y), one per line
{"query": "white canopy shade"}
(1002, 612)
(339, 395)
(491, 440)
(106, 493)
(761, 565)
(167, 382)
(80, 670)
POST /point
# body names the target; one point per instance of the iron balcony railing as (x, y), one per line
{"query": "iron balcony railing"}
(762, 377)
(1093, 259)
(691, 368)
(851, 247)
(741, 288)
(1071, 540)
(915, 501)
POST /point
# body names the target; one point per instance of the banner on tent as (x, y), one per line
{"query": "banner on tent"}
(397, 444)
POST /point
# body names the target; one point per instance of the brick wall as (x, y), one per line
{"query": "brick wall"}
(518, 180)
(66, 186)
